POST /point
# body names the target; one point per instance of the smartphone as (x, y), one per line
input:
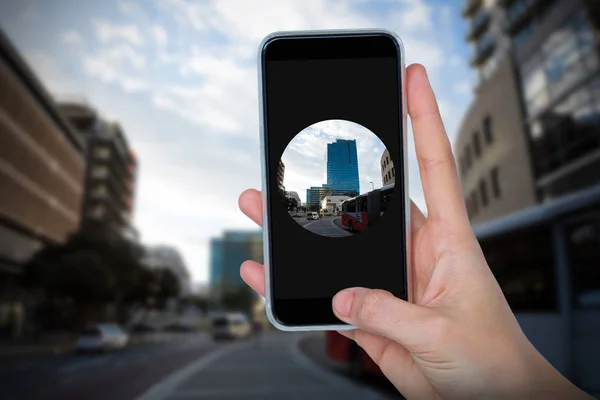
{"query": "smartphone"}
(333, 149)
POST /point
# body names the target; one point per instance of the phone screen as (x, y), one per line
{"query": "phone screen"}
(334, 164)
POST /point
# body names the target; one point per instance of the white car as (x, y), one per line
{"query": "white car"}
(312, 215)
(230, 326)
(102, 337)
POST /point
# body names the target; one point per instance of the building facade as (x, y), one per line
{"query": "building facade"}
(227, 253)
(492, 152)
(41, 178)
(333, 204)
(111, 168)
(342, 166)
(556, 48)
(169, 257)
(316, 194)
(388, 172)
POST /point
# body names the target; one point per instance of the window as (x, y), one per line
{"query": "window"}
(102, 152)
(495, 183)
(476, 145)
(393, 171)
(483, 193)
(386, 197)
(351, 206)
(522, 35)
(487, 130)
(467, 157)
(522, 262)
(387, 161)
(584, 244)
(99, 172)
(361, 204)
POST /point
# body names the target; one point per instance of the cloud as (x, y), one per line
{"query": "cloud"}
(107, 32)
(72, 37)
(160, 34)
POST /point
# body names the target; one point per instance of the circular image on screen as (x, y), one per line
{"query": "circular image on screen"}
(336, 178)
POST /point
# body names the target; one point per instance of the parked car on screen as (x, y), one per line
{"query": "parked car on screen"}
(102, 337)
(312, 215)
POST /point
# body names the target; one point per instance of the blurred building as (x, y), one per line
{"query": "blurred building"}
(342, 166)
(41, 175)
(227, 254)
(556, 49)
(111, 168)
(492, 152)
(388, 172)
(280, 176)
(169, 257)
(533, 130)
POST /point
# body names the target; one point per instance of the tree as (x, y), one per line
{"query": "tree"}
(241, 299)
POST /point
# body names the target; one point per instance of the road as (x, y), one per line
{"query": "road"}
(325, 226)
(191, 367)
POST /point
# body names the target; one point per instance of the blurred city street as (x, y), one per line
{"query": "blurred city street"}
(189, 366)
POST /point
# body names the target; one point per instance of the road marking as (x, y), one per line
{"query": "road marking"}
(168, 386)
(310, 223)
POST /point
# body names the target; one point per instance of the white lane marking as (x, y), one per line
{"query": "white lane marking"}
(168, 386)
(212, 393)
(330, 377)
(310, 223)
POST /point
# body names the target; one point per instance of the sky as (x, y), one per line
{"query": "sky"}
(305, 157)
(180, 77)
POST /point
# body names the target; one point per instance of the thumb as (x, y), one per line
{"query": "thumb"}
(380, 313)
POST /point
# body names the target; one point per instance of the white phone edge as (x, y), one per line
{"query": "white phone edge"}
(264, 173)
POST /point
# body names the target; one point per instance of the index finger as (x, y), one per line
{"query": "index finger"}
(441, 185)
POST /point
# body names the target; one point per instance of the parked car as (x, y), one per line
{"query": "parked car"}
(142, 327)
(230, 326)
(102, 337)
(312, 215)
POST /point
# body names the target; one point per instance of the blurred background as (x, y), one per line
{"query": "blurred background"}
(128, 129)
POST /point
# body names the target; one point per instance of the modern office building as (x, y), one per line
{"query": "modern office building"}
(169, 257)
(316, 194)
(388, 172)
(227, 253)
(342, 166)
(111, 168)
(41, 178)
(280, 176)
(556, 49)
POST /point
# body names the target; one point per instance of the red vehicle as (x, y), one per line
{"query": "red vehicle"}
(346, 351)
(360, 212)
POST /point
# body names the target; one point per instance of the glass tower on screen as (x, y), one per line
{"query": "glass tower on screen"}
(342, 166)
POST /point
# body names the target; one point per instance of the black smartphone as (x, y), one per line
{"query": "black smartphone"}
(333, 144)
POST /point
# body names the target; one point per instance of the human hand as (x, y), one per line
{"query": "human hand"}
(459, 339)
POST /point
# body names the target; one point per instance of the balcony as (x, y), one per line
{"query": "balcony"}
(471, 7)
(519, 12)
(479, 25)
(484, 50)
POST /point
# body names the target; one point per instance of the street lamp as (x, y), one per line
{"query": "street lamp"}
(373, 185)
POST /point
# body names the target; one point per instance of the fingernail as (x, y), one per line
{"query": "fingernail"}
(342, 303)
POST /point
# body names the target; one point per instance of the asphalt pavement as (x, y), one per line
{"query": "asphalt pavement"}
(326, 226)
(274, 369)
(192, 366)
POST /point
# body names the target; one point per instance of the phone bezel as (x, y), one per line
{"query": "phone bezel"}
(269, 301)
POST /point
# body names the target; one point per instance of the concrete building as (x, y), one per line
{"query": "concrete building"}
(41, 178)
(280, 176)
(556, 49)
(492, 152)
(316, 194)
(388, 172)
(333, 204)
(295, 196)
(111, 169)
(169, 257)
(227, 253)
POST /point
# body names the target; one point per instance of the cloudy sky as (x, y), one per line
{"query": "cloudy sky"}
(180, 77)
(305, 158)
